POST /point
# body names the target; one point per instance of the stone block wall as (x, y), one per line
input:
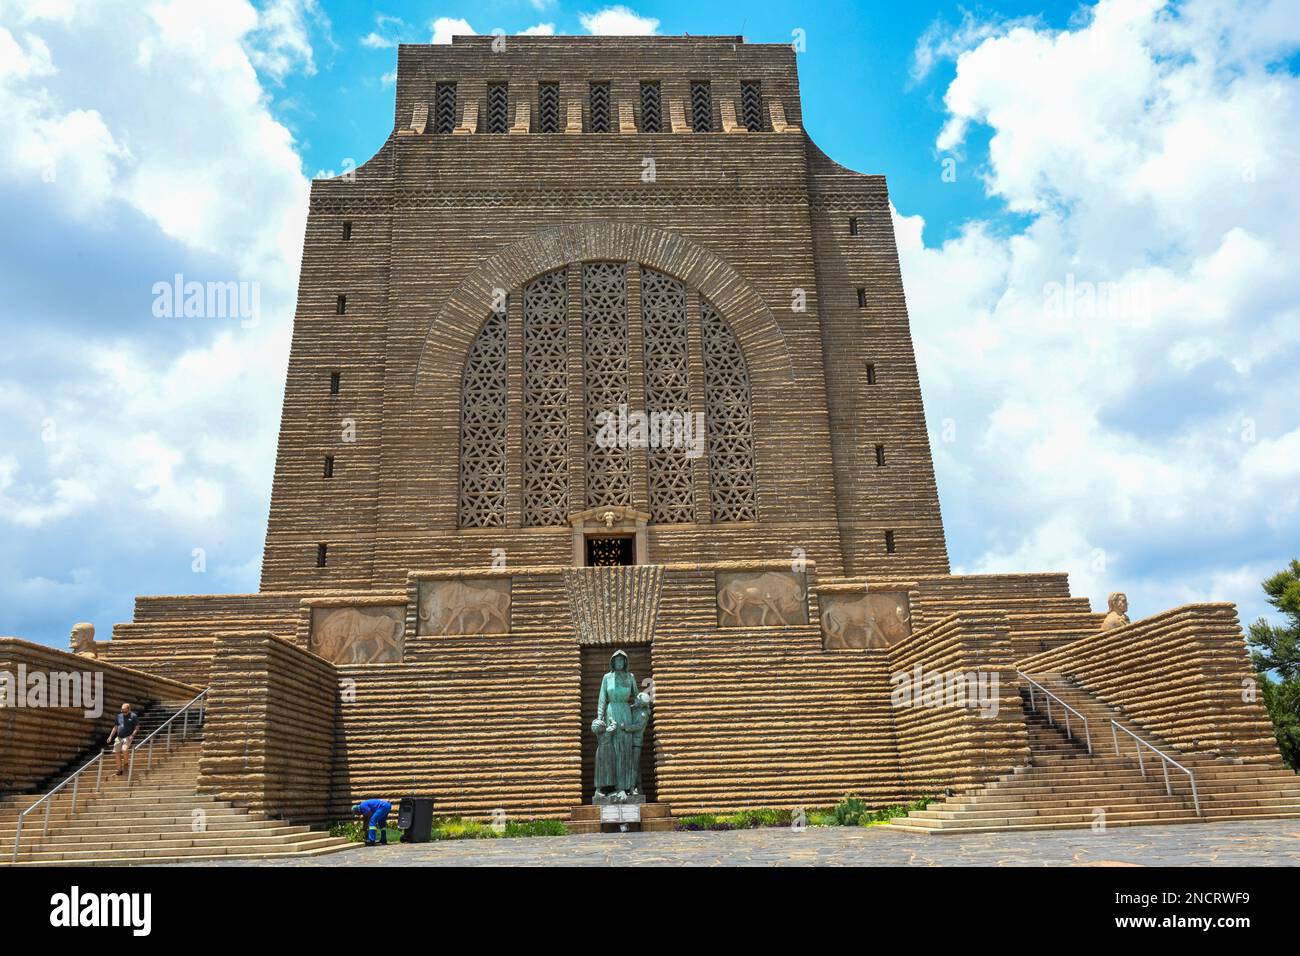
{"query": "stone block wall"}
(439, 221)
(480, 723)
(951, 745)
(763, 718)
(1183, 675)
(269, 737)
(174, 635)
(872, 386)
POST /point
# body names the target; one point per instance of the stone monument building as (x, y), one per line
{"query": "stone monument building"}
(599, 351)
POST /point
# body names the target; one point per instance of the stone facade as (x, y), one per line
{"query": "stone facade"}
(742, 227)
(553, 234)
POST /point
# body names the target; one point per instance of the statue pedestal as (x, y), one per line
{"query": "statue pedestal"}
(615, 817)
(608, 800)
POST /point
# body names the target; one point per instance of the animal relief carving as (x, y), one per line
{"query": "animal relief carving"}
(461, 606)
(761, 599)
(358, 635)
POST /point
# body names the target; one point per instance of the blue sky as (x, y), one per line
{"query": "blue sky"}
(1103, 297)
(861, 103)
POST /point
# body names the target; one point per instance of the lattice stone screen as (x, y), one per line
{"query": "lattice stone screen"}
(650, 107)
(546, 401)
(606, 385)
(728, 421)
(701, 108)
(483, 429)
(751, 106)
(598, 116)
(444, 117)
(667, 395)
(498, 108)
(548, 108)
(605, 379)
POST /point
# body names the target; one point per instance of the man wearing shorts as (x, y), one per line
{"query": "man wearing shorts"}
(122, 736)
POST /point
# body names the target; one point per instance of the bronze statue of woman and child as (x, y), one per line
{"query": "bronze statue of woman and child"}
(621, 717)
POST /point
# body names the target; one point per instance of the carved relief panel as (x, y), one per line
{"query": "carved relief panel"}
(761, 599)
(465, 606)
(358, 635)
(871, 621)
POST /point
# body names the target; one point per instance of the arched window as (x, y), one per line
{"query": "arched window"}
(670, 436)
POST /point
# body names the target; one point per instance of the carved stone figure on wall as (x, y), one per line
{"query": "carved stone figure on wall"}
(868, 621)
(1117, 615)
(618, 736)
(768, 599)
(458, 607)
(82, 640)
(351, 635)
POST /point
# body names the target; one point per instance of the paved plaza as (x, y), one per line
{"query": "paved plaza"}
(1263, 843)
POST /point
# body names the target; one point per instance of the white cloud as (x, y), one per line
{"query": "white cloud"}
(380, 38)
(444, 28)
(943, 42)
(1120, 371)
(141, 141)
(281, 43)
(539, 30)
(618, 21)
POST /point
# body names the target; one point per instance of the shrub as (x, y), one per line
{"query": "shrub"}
(848, 812)
(697, 821)
(455, 828)
(532, 828)
(889, 813)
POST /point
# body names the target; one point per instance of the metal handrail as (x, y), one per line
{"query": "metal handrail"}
(1165, 761)
(1068, 709)
(98, 759)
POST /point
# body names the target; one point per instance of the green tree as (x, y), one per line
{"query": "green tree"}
(1275, 651)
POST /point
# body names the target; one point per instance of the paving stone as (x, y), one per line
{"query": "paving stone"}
(1215, 844)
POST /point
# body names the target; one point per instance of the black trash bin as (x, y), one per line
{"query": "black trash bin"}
(415, 818)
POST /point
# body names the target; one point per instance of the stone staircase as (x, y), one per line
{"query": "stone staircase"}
(1064, 787)
(160, 818)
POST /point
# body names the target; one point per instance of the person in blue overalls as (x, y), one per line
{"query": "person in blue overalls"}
(375, 813)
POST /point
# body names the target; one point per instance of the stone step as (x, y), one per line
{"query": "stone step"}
(232, 823)
(261, 840)
(161, 814)
(904, 824)
(335, 846)
(158, 854)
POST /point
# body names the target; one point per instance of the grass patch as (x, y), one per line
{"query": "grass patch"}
(355, 831)
(849, 812)
(456, 828)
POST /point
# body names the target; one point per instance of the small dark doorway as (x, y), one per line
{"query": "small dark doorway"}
(610, 551)
(595, 662)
